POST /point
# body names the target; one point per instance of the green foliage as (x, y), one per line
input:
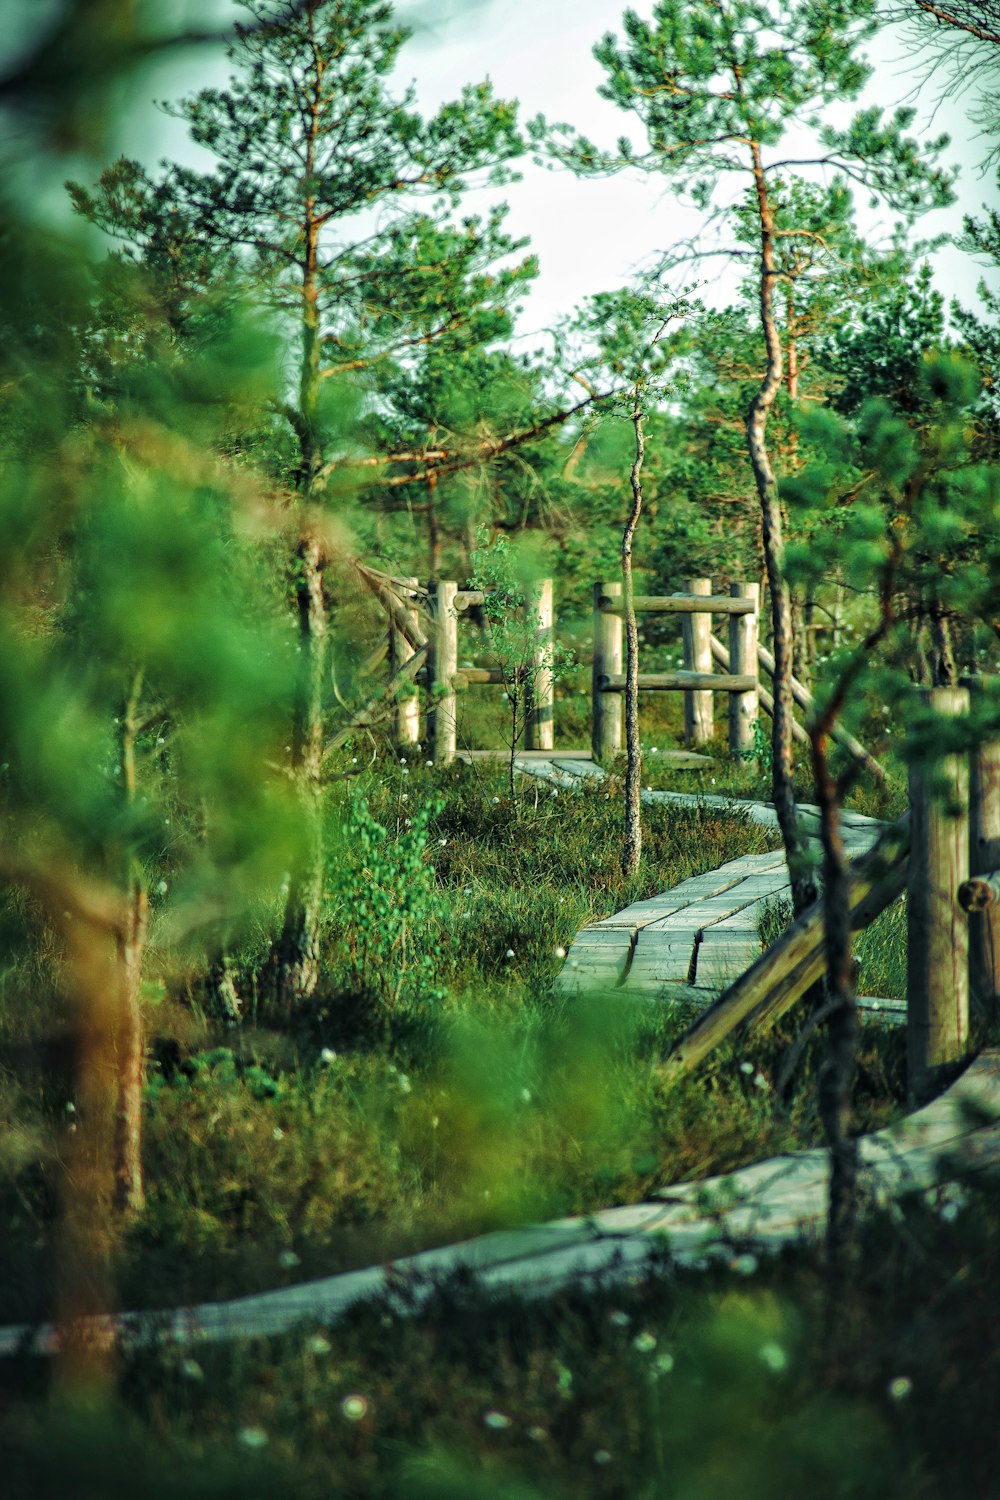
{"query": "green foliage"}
(385, 901)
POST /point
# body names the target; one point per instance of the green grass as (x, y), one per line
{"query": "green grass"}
(366, 1130)
(435, 1119)
(732, 1382)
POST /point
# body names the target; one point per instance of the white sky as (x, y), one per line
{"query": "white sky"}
(590, 235)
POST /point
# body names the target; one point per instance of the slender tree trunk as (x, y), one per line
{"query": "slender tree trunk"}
(130, 947)
(299, 948)
(130, 1055)
(298, 952)
(632, 845)
(803, 888)
(836, 1077)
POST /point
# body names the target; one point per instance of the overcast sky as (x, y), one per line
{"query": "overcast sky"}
(590, 235)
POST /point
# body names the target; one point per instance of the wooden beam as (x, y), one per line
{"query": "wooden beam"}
(782, 974)
(721, 655)
(680, 604)
(805, 701)
(681, 681)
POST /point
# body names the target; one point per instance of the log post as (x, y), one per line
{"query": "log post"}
(606, 708)
(937, 981)
(743, 707)
(406, 726)
(984, 859)
(698, 722)
(443, 666)
(539, 733)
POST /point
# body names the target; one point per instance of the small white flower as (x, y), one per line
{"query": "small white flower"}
(654, 750)
(402, 761)
(645, 1342)
(900, 1387)
(428, 763)
(327, 1056)
(619, 1319)
(435, 1122)
(354, 1407)
(287, 1259)
(442, 842)
(191, 1370)
(278, 1133)
(663, 1364)
(509, 953)
(746, 1067)
(496, 801)
(602, 1456)
(760, 1082)
(405, 1086)
(467, 890)
(318, 1344)
(554, 792)
(745, 1265)
(496, 1421)
(71, 1108)
(253, 1437)
(405, 797)
(525, 1096)
(559, 952)
(162, 887)
(949, 1212)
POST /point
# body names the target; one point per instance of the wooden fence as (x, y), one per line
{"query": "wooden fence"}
(697, 681)
(443, 677)
(945, 855)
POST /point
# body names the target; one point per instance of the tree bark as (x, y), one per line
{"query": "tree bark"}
(130, 1055)
(632, 845)
(298, 951)
(803, 887)
(299, 946)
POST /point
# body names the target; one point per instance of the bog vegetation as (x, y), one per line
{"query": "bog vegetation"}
(277, 992)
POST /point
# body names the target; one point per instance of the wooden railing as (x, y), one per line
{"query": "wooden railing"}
(697, 681)
(443, 678)
(945, 855)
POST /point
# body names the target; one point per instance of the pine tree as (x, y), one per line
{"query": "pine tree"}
(717, 85)
(307, 138)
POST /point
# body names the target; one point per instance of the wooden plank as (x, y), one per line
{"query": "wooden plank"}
(743, 707)
(681, 682)
(606, 711)
(765, 698)
(805, 701)
(680, 604)
(798, 959)
(698, 706)
(540, 726)
(937, 932)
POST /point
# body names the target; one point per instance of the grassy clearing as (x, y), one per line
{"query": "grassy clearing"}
(417, 1101)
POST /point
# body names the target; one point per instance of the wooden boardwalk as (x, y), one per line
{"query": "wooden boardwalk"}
(701, 934)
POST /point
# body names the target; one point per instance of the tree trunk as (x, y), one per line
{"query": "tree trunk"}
(836, 1075)
(299, 946)
(130, 1055)
(632, 845)
(803, 888)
